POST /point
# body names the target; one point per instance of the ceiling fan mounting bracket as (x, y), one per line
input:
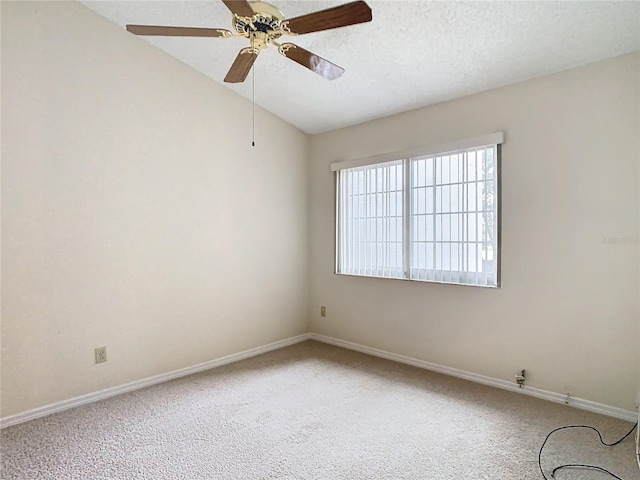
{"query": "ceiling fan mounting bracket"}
(225, 33)
(284, 26)
(251, 50)
(285, 47)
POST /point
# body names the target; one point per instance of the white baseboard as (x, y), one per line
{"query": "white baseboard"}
(474, 377)
(145, 382)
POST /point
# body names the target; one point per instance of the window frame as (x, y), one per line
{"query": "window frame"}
(407, 157)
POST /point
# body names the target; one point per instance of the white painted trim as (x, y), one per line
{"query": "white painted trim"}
(146, 382)
(496, 138)
(580, 403)
(164, 377)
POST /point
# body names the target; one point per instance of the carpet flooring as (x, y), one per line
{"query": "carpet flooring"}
(313, 411)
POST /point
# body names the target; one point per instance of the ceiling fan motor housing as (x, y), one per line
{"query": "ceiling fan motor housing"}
(264, 26)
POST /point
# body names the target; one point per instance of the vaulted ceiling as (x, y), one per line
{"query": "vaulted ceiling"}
(413, 53)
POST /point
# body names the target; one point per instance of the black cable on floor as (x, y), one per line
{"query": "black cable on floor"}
(586, 467)
(577, 465)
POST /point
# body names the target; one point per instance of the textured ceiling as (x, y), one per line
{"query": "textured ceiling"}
(413, 53)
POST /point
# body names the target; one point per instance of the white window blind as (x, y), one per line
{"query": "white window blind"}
(371, 220)
(431, 217)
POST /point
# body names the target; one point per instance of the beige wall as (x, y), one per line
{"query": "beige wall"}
(135, 212)
(568, 307)
(135, 216)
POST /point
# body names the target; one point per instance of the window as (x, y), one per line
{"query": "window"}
(429, 216)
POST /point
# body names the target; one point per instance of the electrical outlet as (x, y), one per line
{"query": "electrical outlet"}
(101, 354)
(323, 311)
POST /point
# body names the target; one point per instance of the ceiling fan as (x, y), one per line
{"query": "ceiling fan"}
(263, 24)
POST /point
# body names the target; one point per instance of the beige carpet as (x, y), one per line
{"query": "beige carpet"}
(313, 411)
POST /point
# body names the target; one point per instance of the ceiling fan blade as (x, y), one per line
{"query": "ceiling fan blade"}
(242, 65)
(240, 7)
(342, 16)
(178, 31)
(313, 62)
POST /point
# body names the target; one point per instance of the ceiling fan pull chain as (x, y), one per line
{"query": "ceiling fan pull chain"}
(253, 141)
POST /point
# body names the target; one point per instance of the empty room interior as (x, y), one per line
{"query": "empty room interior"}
(320, 240)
